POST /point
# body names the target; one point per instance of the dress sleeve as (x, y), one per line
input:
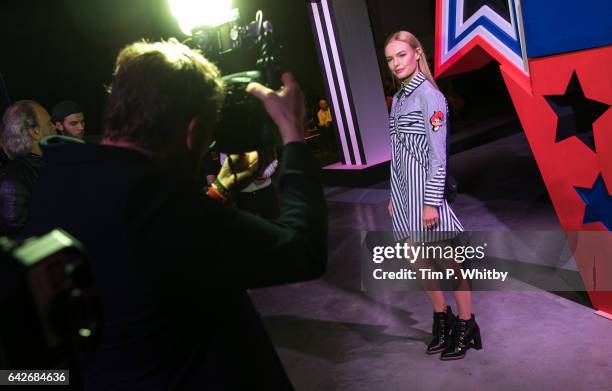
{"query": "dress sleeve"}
(434, 109)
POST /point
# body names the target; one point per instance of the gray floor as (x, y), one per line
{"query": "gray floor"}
(331, 335)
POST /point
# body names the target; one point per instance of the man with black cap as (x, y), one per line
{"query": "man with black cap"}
(69, 119)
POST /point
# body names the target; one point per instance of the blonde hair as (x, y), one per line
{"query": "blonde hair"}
(411, 40)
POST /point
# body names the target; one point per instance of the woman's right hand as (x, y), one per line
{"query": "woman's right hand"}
(390, 208)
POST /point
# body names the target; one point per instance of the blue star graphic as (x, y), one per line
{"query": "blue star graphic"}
(598, 203)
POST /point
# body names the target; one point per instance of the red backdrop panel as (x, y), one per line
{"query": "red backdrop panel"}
(569, 163)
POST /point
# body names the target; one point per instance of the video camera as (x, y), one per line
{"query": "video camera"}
(50, 313)
(244, 124)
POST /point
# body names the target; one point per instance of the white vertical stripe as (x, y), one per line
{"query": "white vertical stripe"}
(342, 86)
(330, 82)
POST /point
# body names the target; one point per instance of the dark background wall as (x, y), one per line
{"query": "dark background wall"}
(53, 50)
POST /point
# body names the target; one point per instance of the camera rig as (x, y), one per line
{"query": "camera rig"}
(243, 122)
(50, 309)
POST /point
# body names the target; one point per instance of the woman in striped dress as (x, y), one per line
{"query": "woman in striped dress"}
(418, 209)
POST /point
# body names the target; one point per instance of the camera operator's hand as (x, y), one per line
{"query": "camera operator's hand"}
(285, 107)
(245, 165)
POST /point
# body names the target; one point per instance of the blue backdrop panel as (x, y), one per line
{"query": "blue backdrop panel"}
(560, 26)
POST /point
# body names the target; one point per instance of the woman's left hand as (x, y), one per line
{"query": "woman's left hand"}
(430, 216)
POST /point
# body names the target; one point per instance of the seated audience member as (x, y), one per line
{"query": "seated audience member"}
(324, 114)
(24, 124)
(171, 265)
(325, 124)
(69, 119)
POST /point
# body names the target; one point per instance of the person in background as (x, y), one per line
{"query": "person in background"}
(324, 114)
(24, 124)
(325, 123)
(69, 119)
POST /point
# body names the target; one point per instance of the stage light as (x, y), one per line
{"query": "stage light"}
(195, 13)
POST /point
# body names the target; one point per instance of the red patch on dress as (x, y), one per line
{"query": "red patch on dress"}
(437, 120)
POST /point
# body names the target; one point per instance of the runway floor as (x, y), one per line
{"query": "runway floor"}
(331, 335)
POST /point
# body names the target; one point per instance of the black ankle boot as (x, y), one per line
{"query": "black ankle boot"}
(442, 325)
(465, 335)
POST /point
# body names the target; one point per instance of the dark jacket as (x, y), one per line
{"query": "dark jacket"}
(17, 178)
(171, 266)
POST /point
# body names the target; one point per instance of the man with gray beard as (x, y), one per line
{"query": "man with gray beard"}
(25, 123)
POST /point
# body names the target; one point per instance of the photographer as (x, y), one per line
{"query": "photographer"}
(171, 265)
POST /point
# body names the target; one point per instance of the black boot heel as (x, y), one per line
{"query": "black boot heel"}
(465, 334)
(477, 341)
(442, 325)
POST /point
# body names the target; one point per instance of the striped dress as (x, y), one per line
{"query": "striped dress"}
(417, 127)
